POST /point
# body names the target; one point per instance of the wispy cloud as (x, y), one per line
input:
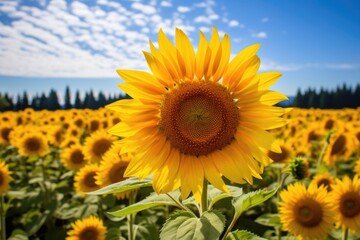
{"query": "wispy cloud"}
(259, 35)
(269, 65)
(265, 19)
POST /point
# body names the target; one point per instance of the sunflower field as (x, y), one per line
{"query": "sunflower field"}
(198, 152)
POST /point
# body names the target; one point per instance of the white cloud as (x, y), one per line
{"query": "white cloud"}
(165, 4)
(147, 9)
(265, 19)
(233, 23)
(259, 35)
(183, 9)
(202, 19)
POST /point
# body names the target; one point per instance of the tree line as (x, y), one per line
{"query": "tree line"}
(342, 97)
(51, 101)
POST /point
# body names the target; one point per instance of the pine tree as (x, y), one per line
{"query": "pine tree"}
(67, 98)
(53, 102)
(25, 101)
(78, 103)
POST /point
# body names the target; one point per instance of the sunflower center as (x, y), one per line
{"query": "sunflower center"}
(1, 178)
(199, 118)
(312, 136)
(89, 233)
(350, 204)
(77, 156)
(116, 173)
(325, 182)
(32, 144)
(94, 125)
(101, 146)
(338, 145)
(329, 124)
(5, 133)
(279, 157)
(358, 136)
(89, 180)
(309, 213)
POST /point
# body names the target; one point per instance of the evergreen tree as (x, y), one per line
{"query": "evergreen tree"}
(53, 101)
(25, 101)
(101, 100)
(78, 103)
(18, 105)
(43, 102)
(67, 98)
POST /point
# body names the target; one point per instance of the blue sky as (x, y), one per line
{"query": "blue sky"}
(48, 44)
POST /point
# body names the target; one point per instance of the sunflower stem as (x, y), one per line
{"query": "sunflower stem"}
(204, 197)
(2, 218)
(130, 217)
(179, 204)
(345, 234)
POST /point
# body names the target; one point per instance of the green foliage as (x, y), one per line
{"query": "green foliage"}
(183, 225)
(123, 186)
(242, 234)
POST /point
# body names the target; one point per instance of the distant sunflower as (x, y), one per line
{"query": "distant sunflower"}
(94, 124)
(340, 148)
(346, 200)
(325, 180)
(69, 141)
(5, 178)
(33, 143)
(286, 154)
(90, 228)
(73, 157)
(306, 212)
(85, 179)
(198, 115)
(5, 130)
(112, 168)
(97, 144)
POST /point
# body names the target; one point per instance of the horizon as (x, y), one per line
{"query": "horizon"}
(82, 43)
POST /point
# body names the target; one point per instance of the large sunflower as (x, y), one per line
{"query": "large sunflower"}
(346, 200)
(112, 168)
(197, 116)
(5, 178)
(85, 179)
(90, 228)
(306, 212)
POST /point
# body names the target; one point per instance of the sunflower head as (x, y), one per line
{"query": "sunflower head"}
(90, 228)
(33, 143)
(194, 109)
(112, 168)
(306, 212)
(5, 130)
(325, 180)
(85, 179)
(299, 168)
(73, 157)
(284, 156)
(346, 201)
(96, 145)
(5, 178)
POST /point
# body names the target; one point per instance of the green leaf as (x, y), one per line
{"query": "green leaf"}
(153, 200)
(269, 219)
(127, 184)
(18, 234)
(185, 226)
(242, 234)
(216, 195)
(251, 199)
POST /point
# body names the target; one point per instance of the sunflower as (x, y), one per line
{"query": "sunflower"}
(96, 145)
(341, 146)
(85, 179)
(33, 143)
(112, 169)
(90, 228)
(306, 212)
(286, 154)
(73, 157)
(198, 116)
(5, 178)
(346, 200)
(324, 179)
(5, 130)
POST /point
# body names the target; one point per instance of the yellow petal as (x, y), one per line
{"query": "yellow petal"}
(186, 50)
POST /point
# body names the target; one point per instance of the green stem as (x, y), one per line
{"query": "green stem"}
(131, 217)
(232, 224)
(179, 204)
(204, 197)
(321, 156)
(2, 219)
(345, 234)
